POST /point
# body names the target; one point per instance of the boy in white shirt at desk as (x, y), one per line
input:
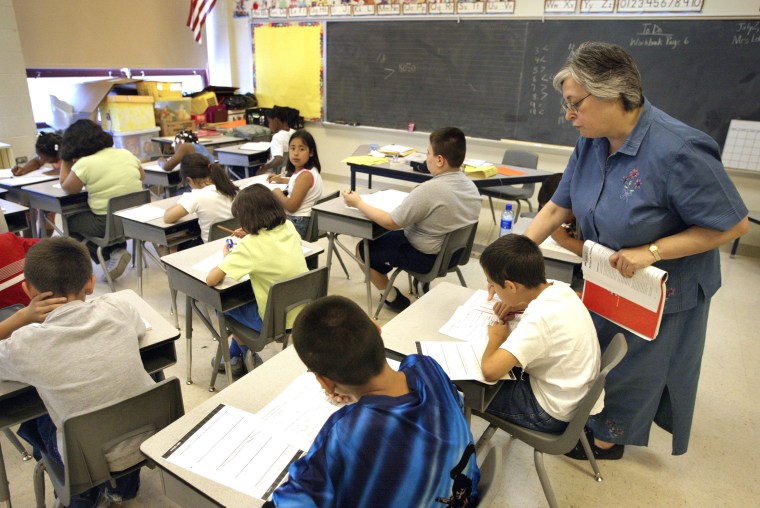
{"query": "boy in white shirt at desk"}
(436, 207)
(554, 342)
(280, 119)
(91, 353)
(403, 442)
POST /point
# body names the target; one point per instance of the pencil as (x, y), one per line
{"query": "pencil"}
(225, 229)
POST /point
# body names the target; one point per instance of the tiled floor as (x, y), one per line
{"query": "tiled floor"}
(720, 468)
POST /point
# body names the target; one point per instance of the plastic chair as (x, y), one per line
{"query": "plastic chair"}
(284, 296)
(559, 444)
(460, 240)
(88, 436)
(313, 234)
(513, 192)
(220, 229)
(114, 230)
(491, 470)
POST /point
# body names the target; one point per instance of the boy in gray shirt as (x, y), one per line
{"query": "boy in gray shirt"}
(445, 203)
(90, 348)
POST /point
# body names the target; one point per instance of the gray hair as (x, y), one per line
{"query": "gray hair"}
(605, 71)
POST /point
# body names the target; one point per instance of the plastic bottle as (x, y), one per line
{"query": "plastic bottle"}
(506, 221)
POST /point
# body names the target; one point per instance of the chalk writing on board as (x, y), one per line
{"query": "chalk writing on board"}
(652, 35)
(540, 82)
(747, 33)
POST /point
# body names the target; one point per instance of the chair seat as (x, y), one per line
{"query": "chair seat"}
(508, 192)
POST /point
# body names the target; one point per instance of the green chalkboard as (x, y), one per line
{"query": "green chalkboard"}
(492, 78)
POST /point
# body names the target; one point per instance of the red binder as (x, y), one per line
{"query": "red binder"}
(621, 311)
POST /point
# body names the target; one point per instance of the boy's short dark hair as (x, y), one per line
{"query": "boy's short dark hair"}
(336, 339)
(451, 144)
(61, 265)
(257, 209)
(548, 188)
(516, 258)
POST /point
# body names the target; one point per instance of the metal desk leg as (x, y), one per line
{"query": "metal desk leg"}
(5, 492)
(353, 178)
(367, 276)
(223, 348)
(138, 248)
(330, 247)
(174, 312)
(17, 444)
(188, 337)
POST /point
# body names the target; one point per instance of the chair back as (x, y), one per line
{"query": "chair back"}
(88, 436)
(614, 353)
(460, 240)
(114, 229)
(491, 471)
(520, 158)
(284, 296)
(312, 231)
(215, 232)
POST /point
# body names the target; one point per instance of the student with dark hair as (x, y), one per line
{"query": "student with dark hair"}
(46, 148)
(279, 124)
(185, 143)
(92, 353)
(89, 159)
(211, 196)
(547, 332)
(445, 203)
(269, 251)
(403, 442)
(568, 234)
(303, 179)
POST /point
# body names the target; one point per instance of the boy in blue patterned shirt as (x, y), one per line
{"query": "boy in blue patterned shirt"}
(403, 442)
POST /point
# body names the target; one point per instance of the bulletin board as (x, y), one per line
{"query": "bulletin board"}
(287, 66)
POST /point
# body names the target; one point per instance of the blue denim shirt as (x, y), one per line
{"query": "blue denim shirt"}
(665, 178)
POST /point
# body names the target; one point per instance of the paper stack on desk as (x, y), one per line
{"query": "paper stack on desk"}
(259, 146)
(478, 169)
(397, 150)
(365, 160)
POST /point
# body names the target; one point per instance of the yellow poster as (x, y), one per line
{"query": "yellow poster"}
(287, 66)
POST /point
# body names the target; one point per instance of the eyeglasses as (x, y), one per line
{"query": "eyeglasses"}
(573, 106)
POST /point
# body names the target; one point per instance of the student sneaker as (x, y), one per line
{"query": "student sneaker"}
(399, 304)
(578, 453)
(236, 363)
(118, 263)
(252, 360)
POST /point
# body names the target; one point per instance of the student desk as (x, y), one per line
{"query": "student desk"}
(559, 262)
(227, 295)
(15, 216)
(156, 176)
(15, 190)
(19, 402)
(251, 393)
(158, 232)
(421, 321)
(335, 218)
(212, 142)
(247, 159)
(49, 196)
(405, 173)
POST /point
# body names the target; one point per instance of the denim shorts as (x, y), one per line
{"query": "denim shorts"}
(516, 403)
(301, 224)
(247, 315)
(393, 250)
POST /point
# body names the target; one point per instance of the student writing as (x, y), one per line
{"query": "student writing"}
(211, 195)
(269, 251)
(90, 159)
(185, 143)
(403, 442)
(443, 204)
(46, 148)
(304, 180)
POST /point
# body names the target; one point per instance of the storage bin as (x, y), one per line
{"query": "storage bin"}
(125, 113)
(201, 102)
(138, 142)
(174, 110)
(160, 90)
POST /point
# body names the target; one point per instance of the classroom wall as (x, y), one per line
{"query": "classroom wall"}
(16, 120)
(107, 34)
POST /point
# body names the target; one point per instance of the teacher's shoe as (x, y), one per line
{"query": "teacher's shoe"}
(578, 453)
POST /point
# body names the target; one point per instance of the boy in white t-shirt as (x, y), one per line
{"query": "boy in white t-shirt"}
(554, 342)
(279, 119)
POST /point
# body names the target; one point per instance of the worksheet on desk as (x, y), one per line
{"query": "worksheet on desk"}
(232, 447)
(459, 360)
(386, 200)
(470, 321)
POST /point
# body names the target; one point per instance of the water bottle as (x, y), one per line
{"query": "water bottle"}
(506, 221)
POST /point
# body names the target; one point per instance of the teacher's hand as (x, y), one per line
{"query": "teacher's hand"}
(627, 261)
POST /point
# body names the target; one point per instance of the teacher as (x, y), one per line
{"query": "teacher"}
(655, 191)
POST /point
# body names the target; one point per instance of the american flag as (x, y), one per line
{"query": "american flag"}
(199, 9)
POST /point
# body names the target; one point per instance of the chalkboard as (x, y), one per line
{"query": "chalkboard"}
(492, 78)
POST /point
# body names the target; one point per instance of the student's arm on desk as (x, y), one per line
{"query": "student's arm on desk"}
(292, 202)
(40, 306)
(496, 362)
(70, 182)
(376, 215)
(217, 275)
(174, 213)
(548, 219)
(180, 150)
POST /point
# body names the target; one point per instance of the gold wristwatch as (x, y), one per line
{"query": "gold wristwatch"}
(655, 252)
